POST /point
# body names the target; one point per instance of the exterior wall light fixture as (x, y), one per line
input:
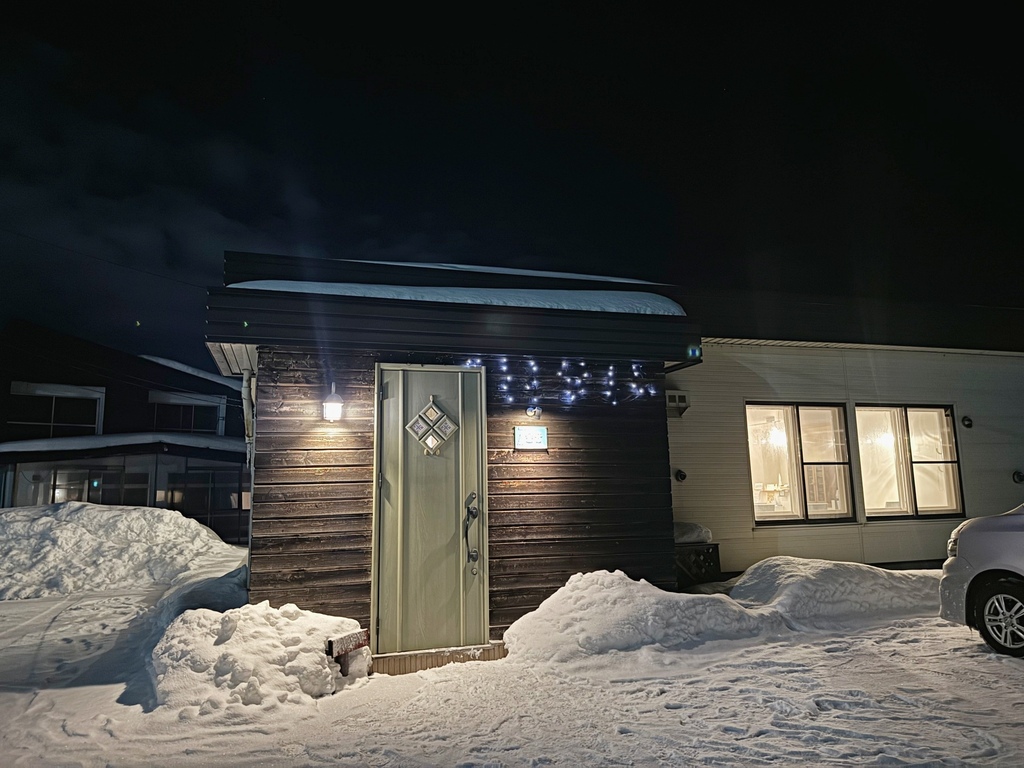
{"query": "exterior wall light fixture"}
(332, 405)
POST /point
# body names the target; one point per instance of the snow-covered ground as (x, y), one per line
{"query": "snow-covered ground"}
(806, 662)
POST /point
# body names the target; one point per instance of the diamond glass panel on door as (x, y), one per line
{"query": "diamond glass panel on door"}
(431, 427)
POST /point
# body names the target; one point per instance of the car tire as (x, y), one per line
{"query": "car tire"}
(998, 611)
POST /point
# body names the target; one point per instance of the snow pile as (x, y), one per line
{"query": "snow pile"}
(629, 302)
(822, 593)
(692, 533)
(602, 612)
(250, 658)
(599, 612)
(72, 547)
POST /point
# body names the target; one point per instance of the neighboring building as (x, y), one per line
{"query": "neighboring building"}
(847, 430)
(501, 430)
(82, 422)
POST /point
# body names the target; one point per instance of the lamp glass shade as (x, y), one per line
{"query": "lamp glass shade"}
(332, 406)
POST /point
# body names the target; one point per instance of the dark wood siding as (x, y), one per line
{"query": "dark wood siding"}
(598, 498)
(313, 492)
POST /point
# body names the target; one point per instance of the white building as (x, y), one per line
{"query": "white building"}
(846, 450)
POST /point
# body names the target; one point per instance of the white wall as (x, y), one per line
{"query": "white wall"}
(709, 442)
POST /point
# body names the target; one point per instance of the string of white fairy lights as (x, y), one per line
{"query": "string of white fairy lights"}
(568, 382)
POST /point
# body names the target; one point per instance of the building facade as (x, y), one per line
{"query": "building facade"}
(82, 422)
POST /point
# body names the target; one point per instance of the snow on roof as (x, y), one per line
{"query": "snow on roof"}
(87, 442)
(198, 372)
(629, 302)
(506, 271)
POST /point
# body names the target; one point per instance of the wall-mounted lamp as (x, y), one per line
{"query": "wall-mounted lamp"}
(332, 405)
(1018, 476)
(967, 421)
(534, 411)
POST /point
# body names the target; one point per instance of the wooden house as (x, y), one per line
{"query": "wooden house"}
(500, 431)
(84, 422)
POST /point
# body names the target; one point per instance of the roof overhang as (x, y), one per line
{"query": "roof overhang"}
(240, 320)
(133, 444)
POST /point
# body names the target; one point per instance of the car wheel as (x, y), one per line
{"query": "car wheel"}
(999, 615)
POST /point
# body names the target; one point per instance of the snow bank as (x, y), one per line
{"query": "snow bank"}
(602, 612)
(75, 546)
(821, 593)
(250, 660)
(599, 612)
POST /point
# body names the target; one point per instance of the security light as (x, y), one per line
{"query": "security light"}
(332, 405)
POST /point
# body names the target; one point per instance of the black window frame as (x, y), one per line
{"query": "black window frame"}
(851, 518)
(915, 514)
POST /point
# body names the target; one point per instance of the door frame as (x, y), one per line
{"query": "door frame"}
(377, 478)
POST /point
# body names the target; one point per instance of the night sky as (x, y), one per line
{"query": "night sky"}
(876, 154)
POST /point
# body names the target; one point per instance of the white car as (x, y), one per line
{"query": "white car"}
(982, 582)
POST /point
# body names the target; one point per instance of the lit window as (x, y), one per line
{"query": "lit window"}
(799, 463)
(909, 462)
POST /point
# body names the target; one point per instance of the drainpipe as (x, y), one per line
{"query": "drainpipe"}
(247, 387)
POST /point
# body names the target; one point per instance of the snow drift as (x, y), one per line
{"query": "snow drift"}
(603, 612)
(825, 593)
(75, 546)
(599, 612)
(254, 656)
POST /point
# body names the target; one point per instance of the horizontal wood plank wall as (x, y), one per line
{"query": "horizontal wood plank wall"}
(312, 508)
(598, 498)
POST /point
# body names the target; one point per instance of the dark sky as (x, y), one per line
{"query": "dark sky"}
(873, 154)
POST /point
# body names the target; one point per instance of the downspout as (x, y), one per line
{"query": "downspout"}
(248, 385)
(247, 382)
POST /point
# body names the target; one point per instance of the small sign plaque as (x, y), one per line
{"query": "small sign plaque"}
(531, 438)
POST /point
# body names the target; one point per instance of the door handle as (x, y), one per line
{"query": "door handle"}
(472, 513)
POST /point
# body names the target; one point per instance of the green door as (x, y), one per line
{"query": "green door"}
(431, 558)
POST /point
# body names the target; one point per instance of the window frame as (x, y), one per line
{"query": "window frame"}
(806, 519)
(54, 391)
(907, 452)
(159, 397)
